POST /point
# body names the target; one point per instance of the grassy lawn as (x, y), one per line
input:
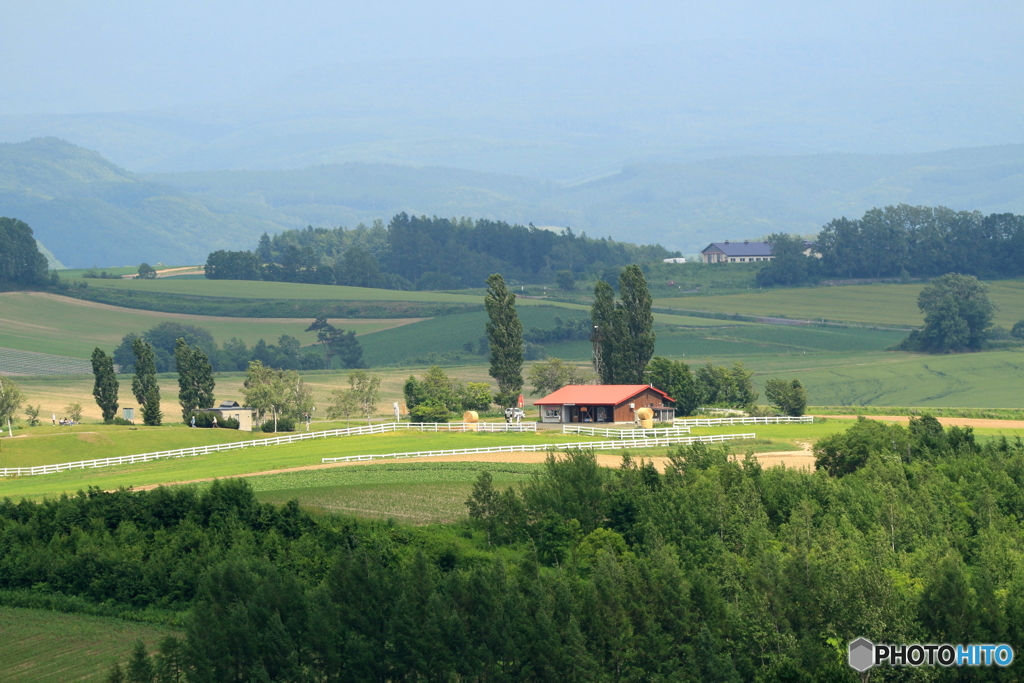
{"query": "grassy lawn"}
(412, 492)
(48, 323)
(46, 445)
(40, 646)
(252, 460)
(888, 304)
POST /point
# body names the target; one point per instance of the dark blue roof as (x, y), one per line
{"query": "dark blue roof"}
(740, 248)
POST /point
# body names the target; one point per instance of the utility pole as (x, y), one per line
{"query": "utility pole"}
(595, 340)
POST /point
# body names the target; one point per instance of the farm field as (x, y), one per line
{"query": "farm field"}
(886, 304)
(59, 325)
(245, 289)
(974, 380)
(40, 646)
(54, 393)
(980, 380)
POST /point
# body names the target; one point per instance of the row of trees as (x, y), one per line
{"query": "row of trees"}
(339, 348)
(424, 253)
(195, 381)
(902, 241)
(436, 396)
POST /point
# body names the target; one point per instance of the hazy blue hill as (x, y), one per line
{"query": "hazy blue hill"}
(681, 206)
(88, 211)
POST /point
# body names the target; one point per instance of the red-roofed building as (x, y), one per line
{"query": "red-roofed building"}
(604, 403)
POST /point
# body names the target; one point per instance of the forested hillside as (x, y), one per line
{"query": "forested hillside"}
(712, 571)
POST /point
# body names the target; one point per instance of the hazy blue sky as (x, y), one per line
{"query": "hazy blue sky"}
(75, 56)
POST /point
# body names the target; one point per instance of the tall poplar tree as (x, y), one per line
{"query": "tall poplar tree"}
(105, 385)
(195, 378)
(624, 334)
(505, 335)
(637, 325)
(144, 385)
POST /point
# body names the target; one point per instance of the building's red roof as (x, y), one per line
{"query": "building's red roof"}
(592, 394)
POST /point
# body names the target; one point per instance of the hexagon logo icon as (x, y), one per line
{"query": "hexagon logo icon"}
(861, 654)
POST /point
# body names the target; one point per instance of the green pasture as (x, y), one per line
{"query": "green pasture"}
(261, 459)
(411, 492)
(975, 380)
(40, 646)
(63, 326)
(881, 304)
(47, 445)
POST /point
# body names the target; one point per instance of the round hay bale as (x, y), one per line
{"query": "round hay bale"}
(646, 418)
(470, 417)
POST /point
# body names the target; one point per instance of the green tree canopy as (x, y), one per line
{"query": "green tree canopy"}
(788, 397)
(144, 385)
(21, 264)
(105, 384)
(10, 399)
(195, 379)
(267, 390)
(553, 374)
(957, 316)
(505, 336)
(675, 379)
(624, 330)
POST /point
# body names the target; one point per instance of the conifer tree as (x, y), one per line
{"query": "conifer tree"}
(505, 335)
(105, 385)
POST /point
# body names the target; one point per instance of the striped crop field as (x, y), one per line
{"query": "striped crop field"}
(882, 304)
(14, 362)
(42, 646)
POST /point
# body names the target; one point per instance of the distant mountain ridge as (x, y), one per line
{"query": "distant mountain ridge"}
(89, 211)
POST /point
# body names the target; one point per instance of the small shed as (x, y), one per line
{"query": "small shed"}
(245, 416)
(604, 403)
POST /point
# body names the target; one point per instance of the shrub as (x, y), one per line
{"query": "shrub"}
(429, 412)
(284, 424)
(204, 420)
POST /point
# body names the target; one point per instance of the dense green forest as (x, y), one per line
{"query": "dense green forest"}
(425, 253)
(904, 241)
(716, 570)
(21, 263)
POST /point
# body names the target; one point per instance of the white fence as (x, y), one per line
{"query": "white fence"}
(272, 441)
(720, 421)
(626, 433)
(554, 447)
